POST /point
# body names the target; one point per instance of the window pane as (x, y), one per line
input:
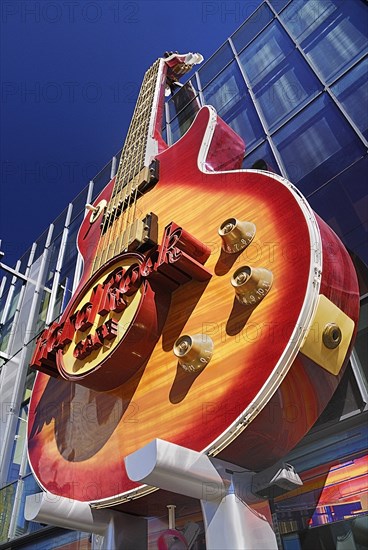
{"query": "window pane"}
(317, 144)
(342, 202)
(181, 98)
(183, 121)
(226, 90)
(267, 52)
(286, 89)
(262, 153)
(278, 5)
(252, 27)
(229, 95)
(244, 120)
(332, 33)
(18, 445)
(352, 91)
(215, 64)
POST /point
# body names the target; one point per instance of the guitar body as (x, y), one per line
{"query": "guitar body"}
(259, 394)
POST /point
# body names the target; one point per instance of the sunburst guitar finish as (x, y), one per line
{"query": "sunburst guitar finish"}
(118, 384)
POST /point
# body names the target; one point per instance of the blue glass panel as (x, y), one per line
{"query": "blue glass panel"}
(262, 153)
(289, 86)
(332, 33)
(252, 26)
(182, 122)
(244, 120)
(215, 64)
(229, 95)
(226, 90)
(265, 53)
(279, 5)
(352, 91)
(317, 145)
(343, 204)
(181, 99)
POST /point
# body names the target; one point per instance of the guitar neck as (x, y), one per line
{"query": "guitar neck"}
(119, 226)
(122, 229)
(140, 145)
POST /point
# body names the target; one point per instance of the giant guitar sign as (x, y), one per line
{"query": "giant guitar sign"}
(215, 311)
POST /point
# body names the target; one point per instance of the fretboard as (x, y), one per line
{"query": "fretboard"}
(134, 150)
(119, 226)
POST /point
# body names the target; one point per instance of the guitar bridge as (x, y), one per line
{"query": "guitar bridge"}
(141, 235)
(144, 181)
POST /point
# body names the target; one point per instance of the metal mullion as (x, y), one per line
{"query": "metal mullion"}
(21, 371)
(356, 368)
(254, 37)
(282, 9)
(168, 124)
(114, 165)
(335, 80)
(20, 487)
(199, 86)
(208, 61)
(322, 80)
(9, 295)
(2, 285)
(79, 262)
(259, 113)
(21, 294)
(59, 263)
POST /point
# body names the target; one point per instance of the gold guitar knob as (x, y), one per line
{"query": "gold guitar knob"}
(251, 284)
(236, 235)
(193, 352)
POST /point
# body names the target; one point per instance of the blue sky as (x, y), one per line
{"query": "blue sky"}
(70, 74)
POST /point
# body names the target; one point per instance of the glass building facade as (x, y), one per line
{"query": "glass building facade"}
(292, 81)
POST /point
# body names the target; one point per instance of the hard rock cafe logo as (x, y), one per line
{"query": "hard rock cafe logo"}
(115, 320)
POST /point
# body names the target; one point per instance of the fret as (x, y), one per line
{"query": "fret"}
(120, 228)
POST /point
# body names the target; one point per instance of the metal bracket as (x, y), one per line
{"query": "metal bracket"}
(118, 530)
(230, 521)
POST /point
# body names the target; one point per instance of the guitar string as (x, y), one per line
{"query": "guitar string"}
(120, 193)
(112, 233)
(157, 75)
(137, 153)
(116, 194)
(142, 137)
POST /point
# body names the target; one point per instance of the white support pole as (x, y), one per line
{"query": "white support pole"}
(230, 521)
(120, 531)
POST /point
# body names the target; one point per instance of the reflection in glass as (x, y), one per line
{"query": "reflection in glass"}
(287, 89)
(263, 152)
(230, 97)
(215, 64)
(352, 91)
(266, 53)
(332, 33)
(252, 26)
(316, 144)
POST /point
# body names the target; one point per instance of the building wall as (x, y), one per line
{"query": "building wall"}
(292, 82)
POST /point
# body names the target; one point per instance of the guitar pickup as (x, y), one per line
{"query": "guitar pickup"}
(141, 235)
(149, 176)
(144, 181)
